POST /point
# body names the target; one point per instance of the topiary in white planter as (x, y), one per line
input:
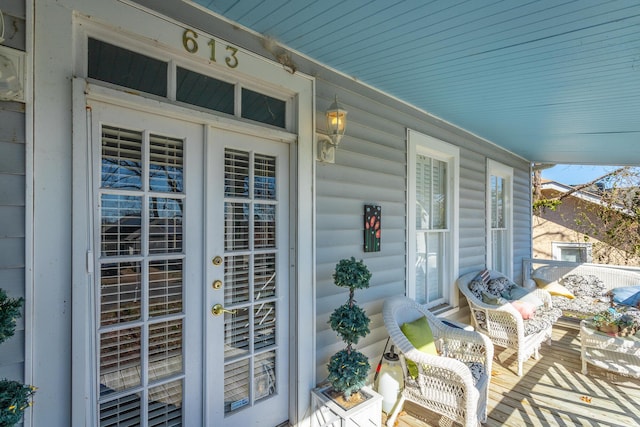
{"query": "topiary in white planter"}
(15, 397)
(348, 368)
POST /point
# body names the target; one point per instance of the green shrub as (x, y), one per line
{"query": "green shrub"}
(9, 312)
(348, 368)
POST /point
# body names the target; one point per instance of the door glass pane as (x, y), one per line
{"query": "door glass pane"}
(165, 287)
(165, 404)
(236, 173)
(265, 374)
(236, 226)
(120, 296)
(121, 229)
(165, 349)
(236, 278)
(121, 158)
(265, 177)
(265, 325)
(137, 221)
(124, 411)
(120, 363)
(250, 277)
(236, 389)
(236, 333)
(165, 225)
(264, 273)
(264, 226)
(166, 164)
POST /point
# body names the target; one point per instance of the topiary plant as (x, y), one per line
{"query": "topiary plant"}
(348, 368)
(9, 312)
(15, 397)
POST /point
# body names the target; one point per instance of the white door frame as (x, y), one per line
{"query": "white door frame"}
(302, 353)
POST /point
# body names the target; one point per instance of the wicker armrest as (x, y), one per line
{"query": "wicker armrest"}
(545, 296)
(468, 346)
(441, 369)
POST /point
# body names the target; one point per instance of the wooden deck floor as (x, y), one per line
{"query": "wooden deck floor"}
(551, 392)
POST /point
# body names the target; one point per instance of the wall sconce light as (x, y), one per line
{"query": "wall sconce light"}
(336, 118)
(11, 74)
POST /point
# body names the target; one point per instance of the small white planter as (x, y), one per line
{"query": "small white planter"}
(325, 412)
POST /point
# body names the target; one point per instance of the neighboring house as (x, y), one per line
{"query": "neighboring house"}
(574, 231)
(167, 220)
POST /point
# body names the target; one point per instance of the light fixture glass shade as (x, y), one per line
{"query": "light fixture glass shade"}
(336, 121)
(10, 87)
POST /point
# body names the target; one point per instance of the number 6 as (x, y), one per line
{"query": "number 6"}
(189, 42)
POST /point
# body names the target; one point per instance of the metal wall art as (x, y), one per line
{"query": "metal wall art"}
(372, 228)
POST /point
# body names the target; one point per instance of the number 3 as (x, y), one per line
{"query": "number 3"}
(232, 61)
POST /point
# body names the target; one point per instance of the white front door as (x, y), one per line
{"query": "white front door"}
(187, 217)
(247, 230)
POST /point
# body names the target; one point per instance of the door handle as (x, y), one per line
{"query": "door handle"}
(218, 309)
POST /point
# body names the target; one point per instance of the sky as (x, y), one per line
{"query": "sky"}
(576, 174)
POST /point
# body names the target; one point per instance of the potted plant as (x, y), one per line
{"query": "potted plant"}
(348, 368)
(606, 321)
(15, 397)
(626, 325)
(9, 312)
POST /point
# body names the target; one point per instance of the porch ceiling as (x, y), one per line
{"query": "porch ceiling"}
(552, 81)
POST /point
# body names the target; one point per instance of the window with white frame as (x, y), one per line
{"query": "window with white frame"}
(499, 217)
(573, 252)
(432, 216)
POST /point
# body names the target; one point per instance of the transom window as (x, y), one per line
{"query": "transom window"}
(126, 68)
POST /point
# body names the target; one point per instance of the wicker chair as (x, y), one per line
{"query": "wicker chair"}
(445, 384)
(504, 325)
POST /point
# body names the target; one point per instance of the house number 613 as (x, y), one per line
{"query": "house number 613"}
(191, 45)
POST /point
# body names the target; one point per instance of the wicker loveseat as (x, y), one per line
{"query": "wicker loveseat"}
(590, 287)
(505, 325)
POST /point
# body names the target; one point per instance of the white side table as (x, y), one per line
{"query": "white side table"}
(327, 413)
(616, 354)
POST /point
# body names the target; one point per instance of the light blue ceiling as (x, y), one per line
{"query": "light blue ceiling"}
(552, 80)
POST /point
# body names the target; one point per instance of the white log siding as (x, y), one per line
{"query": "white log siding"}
(371, 168)
(12, 198)
(12, 229)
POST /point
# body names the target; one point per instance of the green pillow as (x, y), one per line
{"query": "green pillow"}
(488, 298)
(419, 334)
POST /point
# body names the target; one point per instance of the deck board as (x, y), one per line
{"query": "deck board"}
(552, 392)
